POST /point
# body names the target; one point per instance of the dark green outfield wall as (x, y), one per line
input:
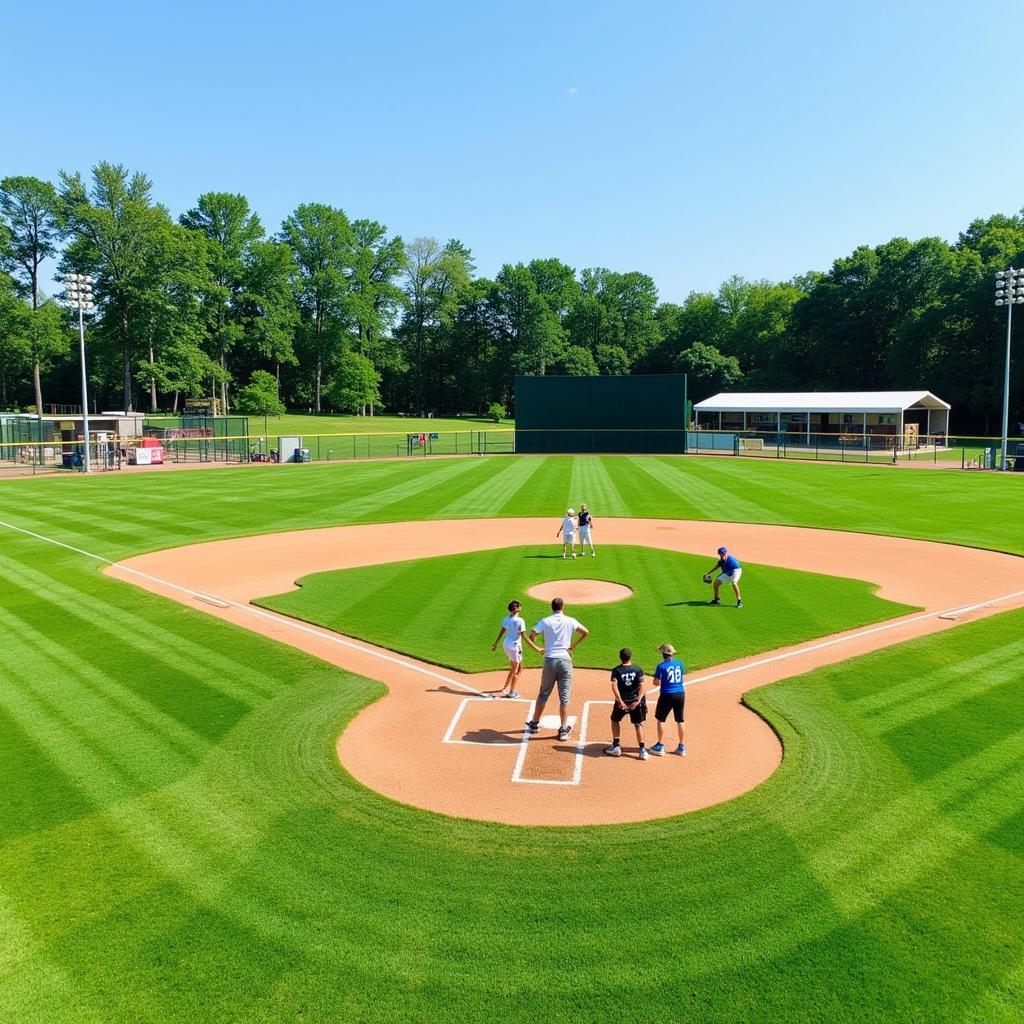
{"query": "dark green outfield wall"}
(644, 413)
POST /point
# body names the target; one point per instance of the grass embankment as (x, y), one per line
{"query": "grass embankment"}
(447, 610)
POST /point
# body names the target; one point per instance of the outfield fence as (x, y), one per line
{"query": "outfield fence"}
(29, 452)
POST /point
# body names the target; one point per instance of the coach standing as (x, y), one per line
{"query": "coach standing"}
(558, 630)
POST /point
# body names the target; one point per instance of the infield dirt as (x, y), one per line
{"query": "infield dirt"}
(436, 742)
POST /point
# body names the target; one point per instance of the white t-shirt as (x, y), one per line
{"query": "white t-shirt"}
(515, 626)
(557, 630)
(568, 525)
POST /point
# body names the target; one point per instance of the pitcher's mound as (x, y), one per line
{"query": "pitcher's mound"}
(581, 591)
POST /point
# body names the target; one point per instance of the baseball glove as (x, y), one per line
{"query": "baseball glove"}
(706, 578)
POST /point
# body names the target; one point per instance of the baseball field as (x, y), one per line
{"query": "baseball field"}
(212, 812)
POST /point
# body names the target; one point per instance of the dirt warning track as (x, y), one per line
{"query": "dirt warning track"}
(437, 741)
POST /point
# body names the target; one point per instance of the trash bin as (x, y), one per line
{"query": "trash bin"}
(302, 455)
(65, 460)
(1018, 461)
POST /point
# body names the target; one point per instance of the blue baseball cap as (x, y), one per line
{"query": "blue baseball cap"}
(723, 551)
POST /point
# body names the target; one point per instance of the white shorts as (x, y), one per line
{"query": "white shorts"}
(513, 653)
(734, 577)
(568, 537)
(584, 534)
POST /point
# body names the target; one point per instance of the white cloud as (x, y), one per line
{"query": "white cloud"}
(573, 90)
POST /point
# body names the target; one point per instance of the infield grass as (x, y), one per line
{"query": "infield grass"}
(179, 844)
(447, 610)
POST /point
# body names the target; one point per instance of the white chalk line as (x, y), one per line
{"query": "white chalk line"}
(521, 757)
(478, 743)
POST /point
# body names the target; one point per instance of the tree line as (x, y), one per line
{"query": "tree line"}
(332, 312)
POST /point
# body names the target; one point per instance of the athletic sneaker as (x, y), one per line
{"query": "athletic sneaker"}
(533, 726)
(680, 750)
(574, 554)
(563, 731)
(512, 693)
(563, 556)
(593, 554)
(614, 750)
(643, 753)
(658, 749)
(715, 601)
(739, 604)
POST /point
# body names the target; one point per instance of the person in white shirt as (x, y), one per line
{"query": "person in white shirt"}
(513, 626)
(559, 631)
(568, 532)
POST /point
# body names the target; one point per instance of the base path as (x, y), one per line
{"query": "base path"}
(437, 741)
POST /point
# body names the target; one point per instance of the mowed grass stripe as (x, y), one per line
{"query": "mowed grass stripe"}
(592, 484)
(492, 491)
(95, 626)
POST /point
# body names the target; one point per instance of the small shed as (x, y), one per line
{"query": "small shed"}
(878, 413)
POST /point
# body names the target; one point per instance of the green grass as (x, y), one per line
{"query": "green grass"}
(311, 424)
(178, 843)
(410, 606)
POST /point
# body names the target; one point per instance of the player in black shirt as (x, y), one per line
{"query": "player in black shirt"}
(628, 691)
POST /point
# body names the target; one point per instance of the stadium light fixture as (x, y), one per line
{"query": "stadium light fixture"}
(78, 295)
(1009, 293)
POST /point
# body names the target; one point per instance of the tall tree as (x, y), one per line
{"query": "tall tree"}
(529, 333)
(28, 209)
(14, 357)
(436, 276)
(231, 230)
(321, 241)
(114, 229)
(374, 296)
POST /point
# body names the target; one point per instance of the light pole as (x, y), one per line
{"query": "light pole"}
(79, 296)
(1009, 293)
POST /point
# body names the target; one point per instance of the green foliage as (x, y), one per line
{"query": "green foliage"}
(355, 384)
(259, 396)
(193, 306)
(496, 411)
(708, 371)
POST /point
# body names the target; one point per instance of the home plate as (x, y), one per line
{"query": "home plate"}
(554, 721)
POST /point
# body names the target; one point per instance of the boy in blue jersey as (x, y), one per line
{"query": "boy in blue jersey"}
(669, 676)
(731, 571)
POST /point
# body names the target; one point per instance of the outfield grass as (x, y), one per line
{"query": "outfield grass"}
(411, 606)
(178, 842)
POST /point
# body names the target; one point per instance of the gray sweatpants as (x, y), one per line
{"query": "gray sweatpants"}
(556, 670)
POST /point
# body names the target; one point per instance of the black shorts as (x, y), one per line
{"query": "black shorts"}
(667, 702)
(636, 715)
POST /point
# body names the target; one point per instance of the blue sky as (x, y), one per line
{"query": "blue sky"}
(688, 140)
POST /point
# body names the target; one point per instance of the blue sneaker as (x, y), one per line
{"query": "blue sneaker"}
(658, 749)
(681, 750)
(532, 727)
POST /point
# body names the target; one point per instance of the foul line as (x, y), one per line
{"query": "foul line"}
(262, 613)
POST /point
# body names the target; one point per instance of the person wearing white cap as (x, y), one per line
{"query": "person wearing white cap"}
(568, 532)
